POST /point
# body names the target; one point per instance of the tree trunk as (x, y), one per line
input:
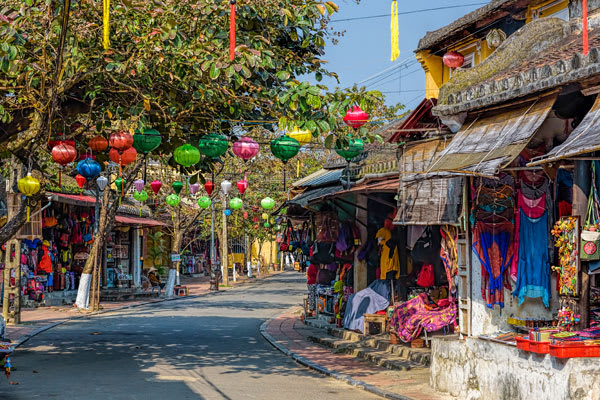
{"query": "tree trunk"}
(174, 266)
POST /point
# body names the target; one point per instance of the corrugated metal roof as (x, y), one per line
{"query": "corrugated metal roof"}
(584, 139)
(314, 175)
(486, 144)
(329, 177)
(312, 194)
(138, 221)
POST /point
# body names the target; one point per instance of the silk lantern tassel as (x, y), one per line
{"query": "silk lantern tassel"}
(395, 31)
(232, 30)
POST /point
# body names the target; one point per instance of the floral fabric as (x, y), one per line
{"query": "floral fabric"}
(410, 318)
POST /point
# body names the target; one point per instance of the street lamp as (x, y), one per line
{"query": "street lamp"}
(225, 188)
(101, 183)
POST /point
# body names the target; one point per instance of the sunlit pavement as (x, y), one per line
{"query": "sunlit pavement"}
(195, 348)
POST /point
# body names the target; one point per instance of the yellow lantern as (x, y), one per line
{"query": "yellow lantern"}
(28, 186)
(303, 137)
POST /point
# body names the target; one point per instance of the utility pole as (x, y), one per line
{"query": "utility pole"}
(224, 255)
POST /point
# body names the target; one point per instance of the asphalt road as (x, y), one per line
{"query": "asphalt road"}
(195, 348)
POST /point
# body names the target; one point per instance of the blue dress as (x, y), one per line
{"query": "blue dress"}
(533, 277)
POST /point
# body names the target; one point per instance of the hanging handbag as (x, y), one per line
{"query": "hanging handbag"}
(590, 237)
(426, 277)
(285, 244)
(305, 242)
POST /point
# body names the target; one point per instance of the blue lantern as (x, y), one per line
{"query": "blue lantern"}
(228, 212)
(88, 168)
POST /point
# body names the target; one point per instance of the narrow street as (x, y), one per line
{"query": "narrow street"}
(197, 348)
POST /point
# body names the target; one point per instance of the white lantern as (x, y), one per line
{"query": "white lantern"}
(101, 182)
(225, 187)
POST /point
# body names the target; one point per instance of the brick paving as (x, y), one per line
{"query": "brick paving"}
(35, 319)
(291, 333)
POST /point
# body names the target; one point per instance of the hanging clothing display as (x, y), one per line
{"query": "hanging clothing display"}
(449, 255)
(533, 208)
(388, 261)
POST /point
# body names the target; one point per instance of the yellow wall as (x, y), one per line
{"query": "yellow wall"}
(436, 73)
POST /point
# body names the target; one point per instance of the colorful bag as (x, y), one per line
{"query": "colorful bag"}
(590, 237)
(426, 277)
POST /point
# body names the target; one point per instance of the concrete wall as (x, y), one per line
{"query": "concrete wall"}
(485, 320)
(475, 369)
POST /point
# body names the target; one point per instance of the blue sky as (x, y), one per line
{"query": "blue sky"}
(365, 48)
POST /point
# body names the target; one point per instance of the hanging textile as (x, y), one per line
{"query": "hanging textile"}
(449, 255)
(533, 208)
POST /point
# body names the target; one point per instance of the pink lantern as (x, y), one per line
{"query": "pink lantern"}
(138, 185)
(156, 185)
(453, 59)
(245, 148)
(194, 188)
(355, 117)
(245, 214)
(242, 185)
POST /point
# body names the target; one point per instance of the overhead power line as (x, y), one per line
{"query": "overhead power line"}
(408, 12)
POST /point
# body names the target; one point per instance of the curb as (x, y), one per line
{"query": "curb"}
(323, 370)
(23, 339)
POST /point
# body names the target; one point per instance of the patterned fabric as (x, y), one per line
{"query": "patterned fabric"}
(410, 318)
(312, 297)
(348, 290)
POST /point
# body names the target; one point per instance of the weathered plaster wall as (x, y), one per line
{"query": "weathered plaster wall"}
(475, 369)
(485, 320)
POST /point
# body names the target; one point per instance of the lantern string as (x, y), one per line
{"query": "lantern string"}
(395, 31)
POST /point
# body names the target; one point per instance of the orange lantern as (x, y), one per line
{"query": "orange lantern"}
(123, 158)
(120, 140)
(98, 143)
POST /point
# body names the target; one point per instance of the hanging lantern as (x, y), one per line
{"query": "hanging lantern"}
(267, 203)
(242, 185)
(213, 145)
(453, 59)
(177, 186)
(98, 143)
(173, 200)
(236, 203)
(225, 187)
(138, 184)
(123, 158)
(141, 196)
(254, 219)
(120, 140)
(209, 187)
(119, 184)
(256, 226)
(355, 117)
(302, 136)
(186, 155)
(80, 180)
(147, 140)
(29, 186)
(265, 216)
(156, 185)
(245, 148)
(267, 225)
(87, 155)
(245, 214)
(63, 154)
(88, 168)
(351, 150)
(101, 182)
(194, 187)
(204, 202)
(285, 148)
(227, 212)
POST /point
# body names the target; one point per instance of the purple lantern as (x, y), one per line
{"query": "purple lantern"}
(245, 148)
(138, 185)
(194, 188)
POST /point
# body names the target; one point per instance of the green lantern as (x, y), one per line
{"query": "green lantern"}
(267, 203)
(141, 196)
(173, 200)
(213, 145)
(186, 155)
(236, 203)
(119, 184)
(204, 202)
(146, 140)
(285, 148)
(177, 186)
(267, 225)
(351, 150)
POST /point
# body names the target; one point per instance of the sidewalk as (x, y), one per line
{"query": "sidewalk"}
(37, 320)
(287, 333)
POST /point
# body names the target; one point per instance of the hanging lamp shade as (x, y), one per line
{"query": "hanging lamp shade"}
(119, 184)
(173, 200)
(64, 154)
(156, 185)
(177, 186)
(98, 143)
(453, 59)
(120, 140)
(186, 155)
(245, 148)
(242, 185)
(141, 196)
(194, 187)
(355, 117)
(146, 140)
(123, 158)
(101, 182)
(285, 148)
(204, 202)
(138, 184)
(225, 187)
(88, 168)
(236, 203)
(302, 136)
(28, 185)
(213, 145)
(209, 187)
(80, 180)
(227, 212)
(351, 150)
(267, 203)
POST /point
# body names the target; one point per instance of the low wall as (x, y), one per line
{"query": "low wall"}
(475, 369)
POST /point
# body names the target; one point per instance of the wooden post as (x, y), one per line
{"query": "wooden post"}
(581, 189)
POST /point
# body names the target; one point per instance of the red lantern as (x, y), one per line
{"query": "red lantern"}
(120, 140)
(355, 117)
(254, 219)
(453, 59)
(80, 180)
(124, 158)
(209, 187)
(63, 154)
(245, 214)
(155, 185)
(98, 143)
(87, 155)
(242, 185)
